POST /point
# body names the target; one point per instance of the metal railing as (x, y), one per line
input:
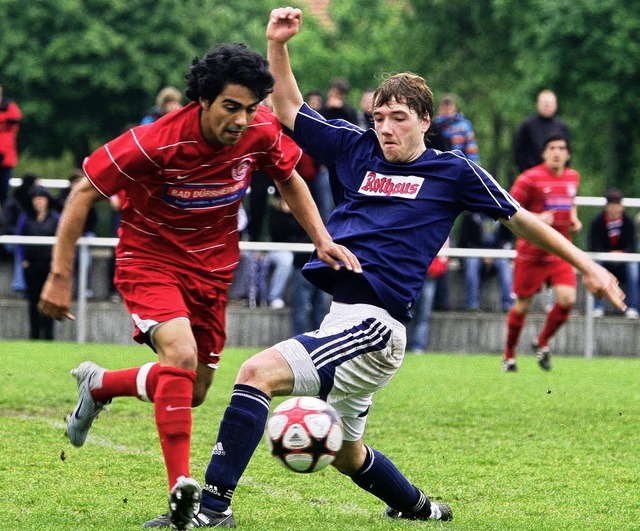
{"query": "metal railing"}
(594, 201)
(85, 244)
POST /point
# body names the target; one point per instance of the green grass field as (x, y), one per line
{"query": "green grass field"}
(530, 451)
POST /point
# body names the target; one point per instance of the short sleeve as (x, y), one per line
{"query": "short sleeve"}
(112, 167)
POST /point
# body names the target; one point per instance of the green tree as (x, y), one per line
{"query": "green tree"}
(464, 48)
(82, 70)
(589, 52)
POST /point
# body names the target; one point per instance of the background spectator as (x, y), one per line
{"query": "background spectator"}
(10, 116)
(36, 259)
(277, 265)
(419, 337)
(529, 139)
(314, 99)
(478, 231)
(18, 203)
(455, 128)
(613, 231)
(116, 203)
(335, 107)
(89, 229)
(365, 116)
(168, 99)
(309, 304)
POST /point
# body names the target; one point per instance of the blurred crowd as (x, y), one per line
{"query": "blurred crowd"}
(273, 279)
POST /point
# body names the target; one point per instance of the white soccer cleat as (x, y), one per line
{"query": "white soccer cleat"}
(87, 409)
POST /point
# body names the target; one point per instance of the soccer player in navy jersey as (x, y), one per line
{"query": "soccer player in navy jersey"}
(184, 177)
(396, 202)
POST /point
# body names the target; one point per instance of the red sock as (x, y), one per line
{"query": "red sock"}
(515, 322)
(557, 316)
(137, 381)
(173, 398)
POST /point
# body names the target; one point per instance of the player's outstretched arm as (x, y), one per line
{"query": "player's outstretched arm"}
(55, 299)
(296, 193)
(595, 278)
(287, 99)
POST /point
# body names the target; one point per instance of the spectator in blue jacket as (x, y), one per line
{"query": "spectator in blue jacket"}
(455, 128)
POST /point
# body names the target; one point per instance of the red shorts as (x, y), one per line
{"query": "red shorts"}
(529, 276)
(155, 295)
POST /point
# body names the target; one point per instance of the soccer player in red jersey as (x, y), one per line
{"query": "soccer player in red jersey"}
(548, 191)
(184, 176)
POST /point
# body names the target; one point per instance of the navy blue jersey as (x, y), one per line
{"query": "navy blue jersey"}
(393, 217)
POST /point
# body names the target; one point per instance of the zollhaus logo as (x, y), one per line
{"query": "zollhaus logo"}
(378, 184)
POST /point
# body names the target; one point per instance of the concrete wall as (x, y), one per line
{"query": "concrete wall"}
(452, 331)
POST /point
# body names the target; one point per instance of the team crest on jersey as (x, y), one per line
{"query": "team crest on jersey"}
(240, 170)
(189, 196)
(378, 184)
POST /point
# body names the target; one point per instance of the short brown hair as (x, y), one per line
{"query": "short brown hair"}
(168, 94)
(407, 88)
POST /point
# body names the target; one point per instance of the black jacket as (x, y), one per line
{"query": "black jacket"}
(599, 238)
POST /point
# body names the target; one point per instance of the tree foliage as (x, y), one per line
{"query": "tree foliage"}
(82, 69)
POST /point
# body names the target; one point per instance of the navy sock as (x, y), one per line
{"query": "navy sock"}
(240, 432)
(379, 476)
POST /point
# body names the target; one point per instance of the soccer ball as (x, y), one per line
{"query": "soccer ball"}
(304, 434)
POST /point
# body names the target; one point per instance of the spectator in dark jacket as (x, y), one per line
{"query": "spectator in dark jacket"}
(529, 141)
(478, 231)
(613, 231)
(36, 259)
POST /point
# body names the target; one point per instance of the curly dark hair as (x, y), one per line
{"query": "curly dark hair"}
(228, 63)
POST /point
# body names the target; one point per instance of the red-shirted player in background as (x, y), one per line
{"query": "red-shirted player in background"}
(547, 190)
(185, 176)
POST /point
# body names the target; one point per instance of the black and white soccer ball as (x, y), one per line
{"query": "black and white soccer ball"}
(304, 434)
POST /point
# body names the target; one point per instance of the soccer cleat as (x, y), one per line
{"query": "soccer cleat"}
(509, 365)
(87, 409)
(544, 358)
(631, 313)
(598, 312)
(439, 511)
(204, 518)
(184, 502)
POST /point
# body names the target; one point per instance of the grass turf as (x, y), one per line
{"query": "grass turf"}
(524, 451)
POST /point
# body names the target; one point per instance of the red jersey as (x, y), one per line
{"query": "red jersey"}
(539, 190)
(183, 194)
(10, 117)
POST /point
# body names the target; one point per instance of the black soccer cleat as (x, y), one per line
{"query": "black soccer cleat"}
(204, 518)
(184, 502)
(439, 511)
(509, 365)
(544, 358)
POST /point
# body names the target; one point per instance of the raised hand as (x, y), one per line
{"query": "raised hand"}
(284, 23)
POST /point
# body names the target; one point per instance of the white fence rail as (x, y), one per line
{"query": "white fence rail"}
(595, 201)
(85, 245)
